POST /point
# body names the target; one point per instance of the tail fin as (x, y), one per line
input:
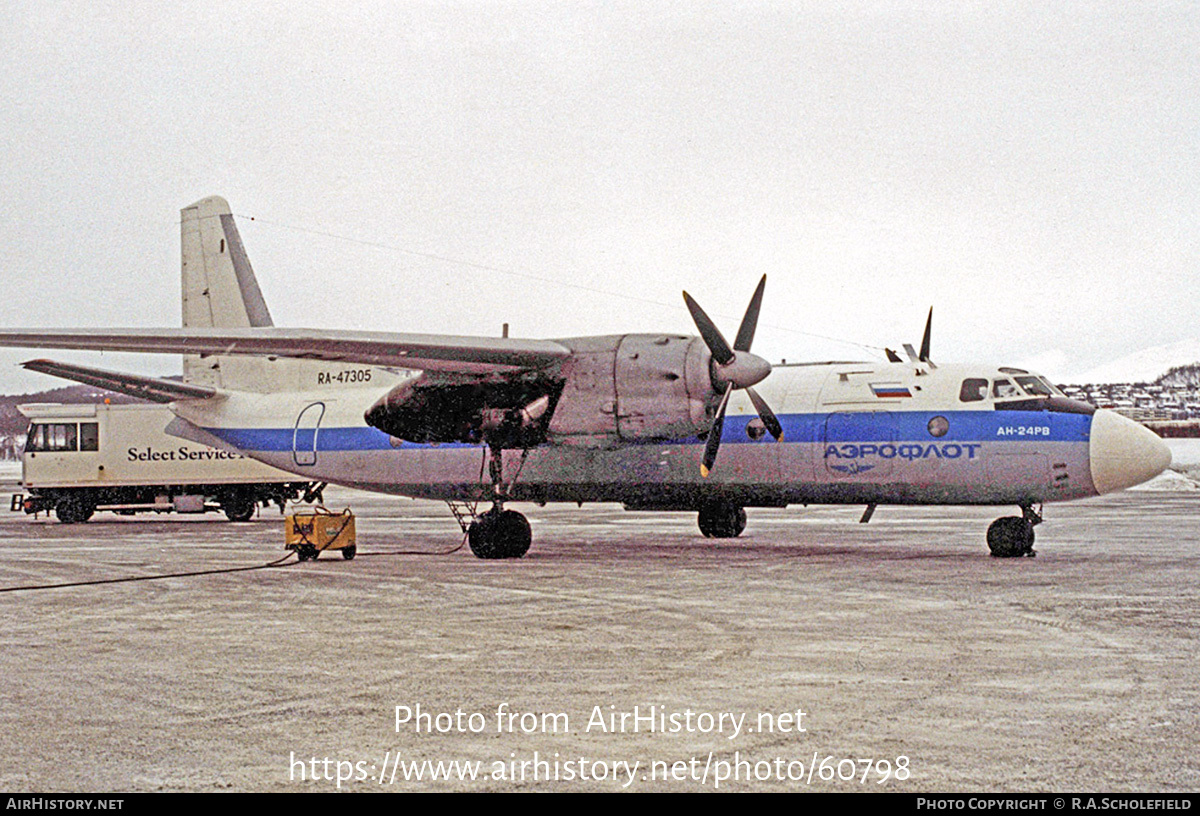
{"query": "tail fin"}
(219, 287)
(219, 290)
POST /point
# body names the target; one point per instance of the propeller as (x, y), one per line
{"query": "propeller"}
(732, 368)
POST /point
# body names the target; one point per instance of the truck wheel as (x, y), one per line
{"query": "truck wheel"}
(349, 552)
(74, 510)
(238, 509)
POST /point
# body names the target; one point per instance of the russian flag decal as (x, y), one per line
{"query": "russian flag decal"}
(890, 390)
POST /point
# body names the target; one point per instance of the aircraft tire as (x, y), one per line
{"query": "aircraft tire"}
(503, 534)
(721, 520)
(1010, 537)
(74, 510)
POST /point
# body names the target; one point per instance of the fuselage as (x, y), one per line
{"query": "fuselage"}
(900, 433)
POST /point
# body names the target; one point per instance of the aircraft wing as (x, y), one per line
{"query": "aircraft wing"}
(148, 388)
(430, 352)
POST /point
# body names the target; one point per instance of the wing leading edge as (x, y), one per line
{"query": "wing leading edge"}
(429, 352)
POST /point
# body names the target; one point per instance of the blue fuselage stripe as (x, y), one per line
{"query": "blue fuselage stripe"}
(852, 427)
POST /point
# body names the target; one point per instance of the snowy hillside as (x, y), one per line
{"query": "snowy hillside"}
(1146, 365)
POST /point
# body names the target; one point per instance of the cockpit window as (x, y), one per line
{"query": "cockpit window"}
(973, 390)
(1003, 388)
(1054, 389)
(1034, 386)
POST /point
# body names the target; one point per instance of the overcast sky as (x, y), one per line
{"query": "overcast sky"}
(1028, 169)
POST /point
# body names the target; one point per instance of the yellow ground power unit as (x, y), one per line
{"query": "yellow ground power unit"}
(310, 533)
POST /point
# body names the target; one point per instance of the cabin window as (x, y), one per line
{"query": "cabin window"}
(53, 436)
(973, 390)
(1003, 388)
(89, 436)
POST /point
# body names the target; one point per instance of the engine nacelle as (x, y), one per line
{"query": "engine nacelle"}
(435, 407)
(633, 387)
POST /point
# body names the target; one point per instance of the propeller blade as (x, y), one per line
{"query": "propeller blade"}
(721, 352)
(745, 335)
(766, 415)
(713, 443)
(924, 358)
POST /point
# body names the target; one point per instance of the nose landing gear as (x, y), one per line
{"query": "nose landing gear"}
(1012, 536)
(721, 520)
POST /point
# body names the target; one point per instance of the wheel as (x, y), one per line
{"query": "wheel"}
(500, 534)
(349, 552)
(721, 520)
(1010, 537)
(306, 552)
(238, 508)
(74, 510)
(514, 533)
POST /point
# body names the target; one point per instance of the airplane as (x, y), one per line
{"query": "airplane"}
(654, 421)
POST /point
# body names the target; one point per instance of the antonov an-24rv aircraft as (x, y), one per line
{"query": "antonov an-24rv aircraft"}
(655, 421)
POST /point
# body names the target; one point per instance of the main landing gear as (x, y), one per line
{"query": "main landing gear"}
(499, 533)
(1012, 536)
(721, 520)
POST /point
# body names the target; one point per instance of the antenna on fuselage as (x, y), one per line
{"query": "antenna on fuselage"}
(924, 358)
(913, 355)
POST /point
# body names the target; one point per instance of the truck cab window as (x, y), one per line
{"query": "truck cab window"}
(89, 436)
(34, 442)
(973, 390)
(53, 437)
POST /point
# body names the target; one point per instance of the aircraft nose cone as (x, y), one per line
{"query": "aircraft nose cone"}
(1124, 453)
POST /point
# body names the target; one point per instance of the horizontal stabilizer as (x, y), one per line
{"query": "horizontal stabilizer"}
(430, 352)
(147, 388)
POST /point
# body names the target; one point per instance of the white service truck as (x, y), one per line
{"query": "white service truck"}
(82, 458)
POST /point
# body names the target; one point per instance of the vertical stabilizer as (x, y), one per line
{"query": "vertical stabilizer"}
(221, 292)
(219, 289)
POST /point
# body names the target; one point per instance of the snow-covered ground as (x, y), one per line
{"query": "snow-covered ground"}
(1184, 473)
(10, 471)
